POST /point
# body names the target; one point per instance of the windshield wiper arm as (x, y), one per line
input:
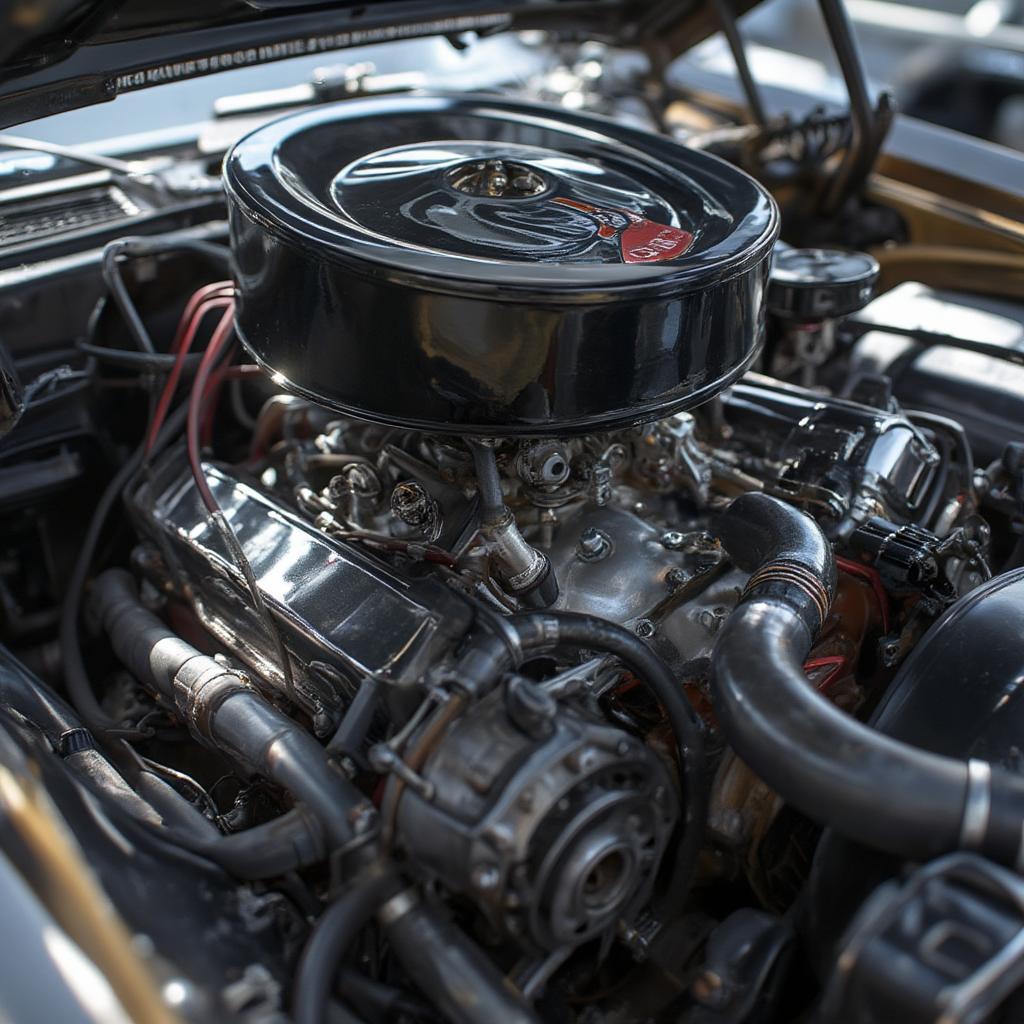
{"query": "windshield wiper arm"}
(125, 168)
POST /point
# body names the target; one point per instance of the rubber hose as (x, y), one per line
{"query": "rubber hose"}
(330, 939)
(288, 843)
(222, 708)
(449, 968)
(76, 679)
(833, 768)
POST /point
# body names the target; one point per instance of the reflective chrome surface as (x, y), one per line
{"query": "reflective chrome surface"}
(345, 616)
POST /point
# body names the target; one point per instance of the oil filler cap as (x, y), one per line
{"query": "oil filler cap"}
(810, 285)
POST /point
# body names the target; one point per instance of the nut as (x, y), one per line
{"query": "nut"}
(593, 545)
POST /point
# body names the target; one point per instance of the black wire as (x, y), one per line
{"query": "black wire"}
(119, 291)
(138, 247)
(927, 516)
(262, 851)
(953, 430)
(158, 362)
(331, 938)
(933, 339)
(80, 383)
(155, 245)
(76, 679)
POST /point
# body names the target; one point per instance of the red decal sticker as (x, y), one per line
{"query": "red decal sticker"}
(640, 240)
(646, 242)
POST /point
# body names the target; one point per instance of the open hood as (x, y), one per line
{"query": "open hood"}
(57, 55)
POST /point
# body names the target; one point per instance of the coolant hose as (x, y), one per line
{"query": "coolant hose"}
(266, 850)
(332, 935)
(447, 967)
(224, 710)
(839, 772)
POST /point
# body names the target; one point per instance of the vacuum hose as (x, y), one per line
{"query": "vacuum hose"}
(865, 785)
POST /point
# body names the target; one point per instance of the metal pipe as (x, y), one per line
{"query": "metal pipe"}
(727, 19)
(521, 569)
(867, 129)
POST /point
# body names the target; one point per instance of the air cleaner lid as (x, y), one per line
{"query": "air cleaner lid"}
(453, 262)
(478, 191)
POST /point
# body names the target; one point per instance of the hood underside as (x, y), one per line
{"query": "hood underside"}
(56, 55)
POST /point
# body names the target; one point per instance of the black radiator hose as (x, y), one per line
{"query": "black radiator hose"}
(448, 967)
(839, 772)
(332, 935)
(223, 709)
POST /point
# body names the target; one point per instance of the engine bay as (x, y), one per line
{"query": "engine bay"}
(488, 575)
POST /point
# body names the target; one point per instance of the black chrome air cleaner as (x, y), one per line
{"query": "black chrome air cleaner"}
(478, 265)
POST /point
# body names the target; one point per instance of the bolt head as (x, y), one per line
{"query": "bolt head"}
(675, 578)
(593, 545)
(709, 990)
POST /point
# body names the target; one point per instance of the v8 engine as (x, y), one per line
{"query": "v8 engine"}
(504, 608)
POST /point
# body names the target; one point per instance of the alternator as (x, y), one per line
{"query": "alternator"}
(554, 823)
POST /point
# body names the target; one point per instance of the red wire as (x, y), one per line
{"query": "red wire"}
(244, 371)
(217, 289)
(865, 572)
(222, 336)
(838, 663)
(211, 400)
(205, 299)
(173, 378)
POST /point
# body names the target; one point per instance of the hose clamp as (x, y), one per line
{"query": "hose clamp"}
(201, 685)
(550, 633)
(977, 804)
(797, 575)
(509, 636)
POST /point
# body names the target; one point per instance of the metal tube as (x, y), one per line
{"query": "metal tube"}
(727, 19)
(864, 142)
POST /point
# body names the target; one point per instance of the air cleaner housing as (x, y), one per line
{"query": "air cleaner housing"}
(470, 264)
